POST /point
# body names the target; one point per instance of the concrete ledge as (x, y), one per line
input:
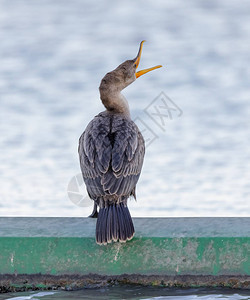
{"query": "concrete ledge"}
(24, 282)
(163, 248)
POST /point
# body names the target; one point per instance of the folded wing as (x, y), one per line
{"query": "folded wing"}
(111, 154)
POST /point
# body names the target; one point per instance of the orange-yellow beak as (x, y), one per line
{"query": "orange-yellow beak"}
(137, 61)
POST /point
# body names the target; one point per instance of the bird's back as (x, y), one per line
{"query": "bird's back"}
(111, 154)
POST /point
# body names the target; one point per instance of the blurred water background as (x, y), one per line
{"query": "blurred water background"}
(53, 55)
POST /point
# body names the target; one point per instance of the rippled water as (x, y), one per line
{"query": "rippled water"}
(53, 55)
(134, 293)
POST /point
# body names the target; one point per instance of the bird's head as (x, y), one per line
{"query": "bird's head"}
(125, 73)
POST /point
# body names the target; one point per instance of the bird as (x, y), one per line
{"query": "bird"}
(111, 152)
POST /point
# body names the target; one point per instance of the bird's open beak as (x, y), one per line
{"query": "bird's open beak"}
(137, 61)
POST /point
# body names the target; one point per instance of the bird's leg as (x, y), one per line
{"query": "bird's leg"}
(94, 213)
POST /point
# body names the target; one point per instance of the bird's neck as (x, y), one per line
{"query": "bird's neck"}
(114, 101)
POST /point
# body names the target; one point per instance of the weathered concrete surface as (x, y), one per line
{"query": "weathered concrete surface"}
(24, 282)
(171, 247)
(145, 227)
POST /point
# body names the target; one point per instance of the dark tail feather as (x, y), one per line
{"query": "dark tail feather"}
(114, 223)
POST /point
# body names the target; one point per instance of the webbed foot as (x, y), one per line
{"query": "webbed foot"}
(94, 213)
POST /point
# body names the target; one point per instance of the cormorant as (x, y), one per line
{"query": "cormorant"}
(111, 152)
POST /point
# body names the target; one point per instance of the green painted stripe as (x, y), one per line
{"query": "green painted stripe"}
(146, 256)
(164, 246)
